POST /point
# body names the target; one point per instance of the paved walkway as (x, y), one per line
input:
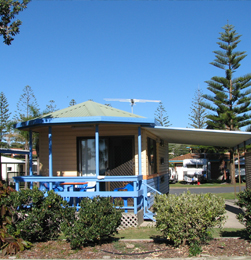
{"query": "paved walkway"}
(232, 211)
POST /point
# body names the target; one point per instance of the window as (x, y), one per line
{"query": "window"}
(9, 169)
(87, 156)
(152, 162)
(115, 154)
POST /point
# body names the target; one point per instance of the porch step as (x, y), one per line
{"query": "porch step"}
(149, 216)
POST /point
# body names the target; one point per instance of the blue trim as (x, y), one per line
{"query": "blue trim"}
(50, 155)
(30, 152)
(97, 154)
(2, 150)
(90, 119)
(174, 161)
(30, 156)
(139, 151)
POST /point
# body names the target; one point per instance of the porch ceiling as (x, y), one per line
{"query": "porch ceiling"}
(201, 136)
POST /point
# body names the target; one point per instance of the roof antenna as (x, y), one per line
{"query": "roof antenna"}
(131, 100)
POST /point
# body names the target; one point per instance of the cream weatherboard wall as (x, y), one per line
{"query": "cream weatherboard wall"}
(64, 146)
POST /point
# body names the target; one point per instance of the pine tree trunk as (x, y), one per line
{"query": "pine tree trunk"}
(232, 166)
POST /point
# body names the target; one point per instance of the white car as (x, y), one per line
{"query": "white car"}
(173, 175)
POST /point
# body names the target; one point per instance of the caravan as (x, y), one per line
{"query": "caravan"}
(242, 170)
(195, 170)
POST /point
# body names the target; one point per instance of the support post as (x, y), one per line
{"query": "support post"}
(30, 157)
(140, 173)
(239, 167)
(50, 156)
(97, 154)
(139, 151)
(17, 185)
(30, 153)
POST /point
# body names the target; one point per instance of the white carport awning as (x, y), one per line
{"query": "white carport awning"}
(201, 136)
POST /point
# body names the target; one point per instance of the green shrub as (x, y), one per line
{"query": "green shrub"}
(36, 217)
(96, 220)
(9, 244)
(186, 218)
(244, 201)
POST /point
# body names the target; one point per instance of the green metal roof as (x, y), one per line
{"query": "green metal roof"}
(88, 109)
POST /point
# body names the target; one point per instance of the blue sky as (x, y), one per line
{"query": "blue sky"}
(120, 49)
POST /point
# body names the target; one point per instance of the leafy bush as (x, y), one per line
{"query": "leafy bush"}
(8, 244)
(186, 218)
(96, 220)
(244, 201)
(36, 217)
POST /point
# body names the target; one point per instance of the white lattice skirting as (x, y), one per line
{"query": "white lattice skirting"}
(131, 220)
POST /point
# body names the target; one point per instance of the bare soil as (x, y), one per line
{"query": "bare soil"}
(133, 249)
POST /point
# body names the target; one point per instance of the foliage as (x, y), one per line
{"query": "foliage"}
(4, 116)
(177, 149)
(27, 105)
(27, 109)
(8, 10)
(72, 102)
(187, 218)
(198, 112)
(244, 201)
(97, 219)
(161, 115)
(51, 107)
(9, 244)
(231, 96)
(36, 217)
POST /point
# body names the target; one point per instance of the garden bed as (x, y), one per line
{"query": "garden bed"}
(129, 249)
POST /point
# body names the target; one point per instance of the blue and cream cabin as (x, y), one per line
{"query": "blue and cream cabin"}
(105, 147)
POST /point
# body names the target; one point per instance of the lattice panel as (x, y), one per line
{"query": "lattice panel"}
(128, 220)
(248, 169)
(126, 169)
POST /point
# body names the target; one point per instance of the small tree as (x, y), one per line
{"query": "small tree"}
(4, 116)
(26, 105)
(198, 112)
(51, 107)
(72, 102)
(187, 218)
(8, 11)
(161, 115)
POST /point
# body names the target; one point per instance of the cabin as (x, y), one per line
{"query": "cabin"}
(91, 149)
(106, 147)
(11, 167)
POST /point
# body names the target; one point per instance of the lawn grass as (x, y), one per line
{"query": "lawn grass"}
(152, 233)
(227, 196)
(211, 184)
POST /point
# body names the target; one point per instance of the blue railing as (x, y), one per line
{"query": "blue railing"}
(73, 195)
(149, 193)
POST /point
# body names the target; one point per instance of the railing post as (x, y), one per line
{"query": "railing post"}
(145, 196)
(97, 155)
(50, 156)
(17, 185)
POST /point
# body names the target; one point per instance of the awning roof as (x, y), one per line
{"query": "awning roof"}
(201, 136)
